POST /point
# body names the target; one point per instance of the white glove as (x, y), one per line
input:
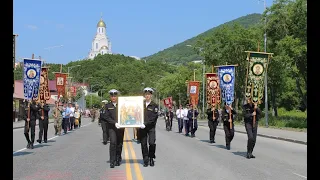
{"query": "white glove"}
(117, 126)
(142, 126)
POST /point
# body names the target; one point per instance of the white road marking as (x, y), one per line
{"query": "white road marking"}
(48, 139)
(299, 175)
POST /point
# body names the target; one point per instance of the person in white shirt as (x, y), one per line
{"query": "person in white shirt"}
(185, 118)
(71, 125)
(179, 114)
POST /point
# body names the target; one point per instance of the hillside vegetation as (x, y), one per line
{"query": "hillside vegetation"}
(180, 53)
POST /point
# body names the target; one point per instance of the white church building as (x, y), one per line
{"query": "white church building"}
(100, 44)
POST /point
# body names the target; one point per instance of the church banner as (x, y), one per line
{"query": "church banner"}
(168, 102)
(194, 92)
(73, 91)
(61, 79)
(213, 89)
(227, 80)
(31, 78)
(44, 92)
(257, 66)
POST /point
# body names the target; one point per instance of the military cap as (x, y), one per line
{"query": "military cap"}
(113, 92)
(147, 89)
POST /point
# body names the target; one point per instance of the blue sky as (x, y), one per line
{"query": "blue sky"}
(135, 28)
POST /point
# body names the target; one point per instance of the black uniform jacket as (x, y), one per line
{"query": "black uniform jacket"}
(46, 110)
(226, 117)
(34, 111)
(190, 114)
(110, 114)
(150, 114)
(210, 114)
(171, 115)
(247, 112)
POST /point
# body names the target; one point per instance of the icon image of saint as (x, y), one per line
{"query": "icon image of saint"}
(193, 89)
(257, 69)
(226, 78)
(31, 73)
(60, 81)
(213, 84)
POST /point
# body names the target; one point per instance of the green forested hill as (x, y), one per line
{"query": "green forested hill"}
(180, 53)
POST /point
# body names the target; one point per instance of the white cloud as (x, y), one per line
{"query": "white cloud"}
(32, 27)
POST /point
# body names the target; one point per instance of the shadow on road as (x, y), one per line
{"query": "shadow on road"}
(40, 145)
(22, 153)
(240, 153)
(219, 146)
(127, 140)
(52, 140)
(206, 141)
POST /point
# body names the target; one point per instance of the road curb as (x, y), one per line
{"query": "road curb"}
(268, 136)
(261, 135)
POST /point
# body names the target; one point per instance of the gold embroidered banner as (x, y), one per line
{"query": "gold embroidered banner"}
(257, 66)
(61, 79)
(213, 89)
(194, 92)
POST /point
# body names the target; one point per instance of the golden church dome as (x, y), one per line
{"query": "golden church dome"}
(101, 24)
(104, 47)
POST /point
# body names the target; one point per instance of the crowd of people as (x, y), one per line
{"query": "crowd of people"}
(66, 118)
(187, 119)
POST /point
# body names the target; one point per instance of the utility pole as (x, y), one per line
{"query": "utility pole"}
(266, 76)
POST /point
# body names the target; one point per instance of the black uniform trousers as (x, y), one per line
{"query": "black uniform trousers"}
(66, 124)
(169, 124)
(43, 126)
(80, 121)
(148, 134)
(213, 127)
(27, 128)
(193, 125)
(71, 123)
(186, 126)
(229, 133)
(252, 135)
(116, 143)
(105, 133)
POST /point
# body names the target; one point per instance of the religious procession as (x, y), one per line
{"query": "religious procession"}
(67, 115)
(141, 112)
(220, 102)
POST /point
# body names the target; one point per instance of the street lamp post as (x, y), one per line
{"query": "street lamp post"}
(266, 76)
(203, 72)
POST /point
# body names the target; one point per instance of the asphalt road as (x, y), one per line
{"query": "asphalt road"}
(80, 155)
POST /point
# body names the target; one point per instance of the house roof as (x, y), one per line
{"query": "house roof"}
(19, 94)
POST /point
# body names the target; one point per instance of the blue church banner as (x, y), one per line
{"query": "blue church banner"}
(31, 78)
(227, 79)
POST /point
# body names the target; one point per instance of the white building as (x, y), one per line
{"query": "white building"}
(100, 44)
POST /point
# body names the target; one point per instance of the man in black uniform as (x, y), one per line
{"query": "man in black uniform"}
(31, 123)
(193, 122)
(115, 132)
(104, 124)
(212, 122)
(169, 118)
(249, 111)
(229, 132)
(44, 122)
(148, 129)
